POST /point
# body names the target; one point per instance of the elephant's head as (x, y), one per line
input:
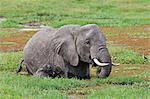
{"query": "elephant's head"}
(91, 47)
(86, 43)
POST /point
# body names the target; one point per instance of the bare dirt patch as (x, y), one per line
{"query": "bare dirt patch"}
(19, 39)
(134, 38)
(132, 70)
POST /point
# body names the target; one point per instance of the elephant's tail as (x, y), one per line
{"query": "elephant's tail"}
(20, 67)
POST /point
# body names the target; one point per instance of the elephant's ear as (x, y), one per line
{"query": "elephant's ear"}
(68, 49)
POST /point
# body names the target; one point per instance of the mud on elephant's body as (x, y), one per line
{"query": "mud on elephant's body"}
(72, 48)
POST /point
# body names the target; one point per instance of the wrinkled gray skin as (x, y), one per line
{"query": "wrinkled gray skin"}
(72, 48)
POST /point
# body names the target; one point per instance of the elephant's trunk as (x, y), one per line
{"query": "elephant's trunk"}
(104, 57)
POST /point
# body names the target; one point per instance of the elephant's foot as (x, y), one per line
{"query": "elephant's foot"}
(84, 77)
(88, 77)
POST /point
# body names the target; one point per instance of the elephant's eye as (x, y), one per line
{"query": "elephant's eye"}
(87, 42)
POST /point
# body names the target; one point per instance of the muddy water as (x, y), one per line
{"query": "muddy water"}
(134, 38)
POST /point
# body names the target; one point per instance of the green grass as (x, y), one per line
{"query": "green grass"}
(9, 23)
(7, 32)
(145, 75)
(139, 35)
(126, 56)
(121, 80)
(120, 92)
(42, 83)
(57, 13)
(7, 43)
(4, 34)
(110, 34)
(21, 86)
(10, 61)
(13, 86)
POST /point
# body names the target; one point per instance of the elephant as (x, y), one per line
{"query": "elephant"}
(71, 49)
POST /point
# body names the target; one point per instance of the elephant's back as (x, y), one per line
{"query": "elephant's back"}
(39, 39)
(36, 51)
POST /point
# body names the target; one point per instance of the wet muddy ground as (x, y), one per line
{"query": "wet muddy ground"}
(134, 38)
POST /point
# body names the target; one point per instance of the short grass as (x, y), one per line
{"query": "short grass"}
(57, 13)
(4, 34)
(125, 56)
(139, 35)
(7, 32)
(7, 43)
(113, 92)
(21, 86)
(25, 86)
(10, 60)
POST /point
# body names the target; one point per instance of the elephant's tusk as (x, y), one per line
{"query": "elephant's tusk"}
(115, 64)
(99, 63)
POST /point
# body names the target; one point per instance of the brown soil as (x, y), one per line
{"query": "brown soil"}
(125, 39)
(131, 70)
(19, 38)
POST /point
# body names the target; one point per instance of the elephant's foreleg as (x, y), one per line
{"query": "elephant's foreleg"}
(82, 71)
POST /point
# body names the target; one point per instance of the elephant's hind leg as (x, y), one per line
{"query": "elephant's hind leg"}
(50, 71)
